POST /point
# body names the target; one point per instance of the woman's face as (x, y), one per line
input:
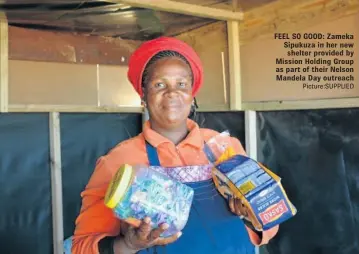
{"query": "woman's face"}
(168, 92)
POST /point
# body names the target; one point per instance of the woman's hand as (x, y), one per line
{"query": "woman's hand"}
(136, 239)
(236, 206)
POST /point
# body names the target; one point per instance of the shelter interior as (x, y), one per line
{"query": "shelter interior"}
(64, 79)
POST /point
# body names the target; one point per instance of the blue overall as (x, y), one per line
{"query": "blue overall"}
(211, 227)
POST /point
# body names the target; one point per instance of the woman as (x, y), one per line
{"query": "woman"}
(167, 74)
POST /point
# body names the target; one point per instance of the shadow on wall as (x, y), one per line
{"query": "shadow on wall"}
(317, 155)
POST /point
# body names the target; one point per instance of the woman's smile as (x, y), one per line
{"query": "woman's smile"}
(172, 106)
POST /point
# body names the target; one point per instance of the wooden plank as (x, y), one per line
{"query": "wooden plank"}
(4, 64)
(72, 108)
(184, 8)
(234, 65)
(302, 104)
(56, 183)
(102, 109)
(250, 130)
(289, 16)
(250, 121)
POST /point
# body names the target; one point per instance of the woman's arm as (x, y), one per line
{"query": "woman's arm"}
(95, 220)
(97, 228)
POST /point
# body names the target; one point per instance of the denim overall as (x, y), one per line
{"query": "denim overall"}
(211, 227)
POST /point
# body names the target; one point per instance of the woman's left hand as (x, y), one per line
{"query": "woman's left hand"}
(236, 206)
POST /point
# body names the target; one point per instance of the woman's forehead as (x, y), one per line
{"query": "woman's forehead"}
(171, 66)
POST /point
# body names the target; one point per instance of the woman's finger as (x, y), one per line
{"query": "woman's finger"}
(168, 240)
(157, 232)
(144, 229)
(240, 208)
(124, 227)
(231, 205)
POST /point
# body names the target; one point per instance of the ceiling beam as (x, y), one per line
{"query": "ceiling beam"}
(184, 8)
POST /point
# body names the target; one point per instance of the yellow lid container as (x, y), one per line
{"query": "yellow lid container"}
(119, 185)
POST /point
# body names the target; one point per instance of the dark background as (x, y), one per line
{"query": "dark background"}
(315, 152)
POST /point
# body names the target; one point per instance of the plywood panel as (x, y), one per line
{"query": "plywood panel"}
(210, 42)
(48, 83)
(259, 65)
(115, 89)
(52, 83)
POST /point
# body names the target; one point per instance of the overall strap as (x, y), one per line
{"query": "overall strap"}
(152, 155)
(154, 160)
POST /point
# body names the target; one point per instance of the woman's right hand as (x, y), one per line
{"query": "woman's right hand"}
(136, 239)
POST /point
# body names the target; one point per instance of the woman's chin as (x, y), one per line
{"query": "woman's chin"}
(174, 120)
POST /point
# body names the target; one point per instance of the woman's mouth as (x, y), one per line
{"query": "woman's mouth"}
(172, 107)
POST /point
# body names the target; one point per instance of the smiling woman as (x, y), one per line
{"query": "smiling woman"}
(167, 90)
(167, 74)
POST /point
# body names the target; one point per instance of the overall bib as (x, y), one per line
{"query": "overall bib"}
(211, 227)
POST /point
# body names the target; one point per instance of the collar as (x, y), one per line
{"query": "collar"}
(193, 138)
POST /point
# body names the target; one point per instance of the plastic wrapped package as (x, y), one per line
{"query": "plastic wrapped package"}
(259, 189)
(136, 192)
(217, 145)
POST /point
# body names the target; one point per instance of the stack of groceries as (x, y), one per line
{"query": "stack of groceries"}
(136, 192)
(258, 188)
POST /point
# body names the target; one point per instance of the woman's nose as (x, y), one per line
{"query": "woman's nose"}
(172, 89)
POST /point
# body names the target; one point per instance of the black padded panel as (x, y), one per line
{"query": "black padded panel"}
(25, 180)
(317, 155)
(221, 121)
(84, 138)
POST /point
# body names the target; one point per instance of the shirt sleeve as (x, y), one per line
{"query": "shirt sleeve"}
(266, 235)
(95, 220)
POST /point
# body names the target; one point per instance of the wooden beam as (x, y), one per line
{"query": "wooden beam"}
(250, 121)
(4, 64)
(101, 109)
(302, 104)
(73, 108)
(234, 65)
(56, 183)
(184, 8)
(289, 16)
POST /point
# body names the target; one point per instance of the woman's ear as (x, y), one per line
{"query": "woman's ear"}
(143, 99)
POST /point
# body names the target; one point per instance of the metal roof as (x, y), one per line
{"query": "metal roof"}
(106, 18)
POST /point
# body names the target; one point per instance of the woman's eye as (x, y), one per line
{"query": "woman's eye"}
(182, 84)
(159, 85)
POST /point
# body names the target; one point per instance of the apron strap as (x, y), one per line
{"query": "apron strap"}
(152, 155)
(154, 160)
